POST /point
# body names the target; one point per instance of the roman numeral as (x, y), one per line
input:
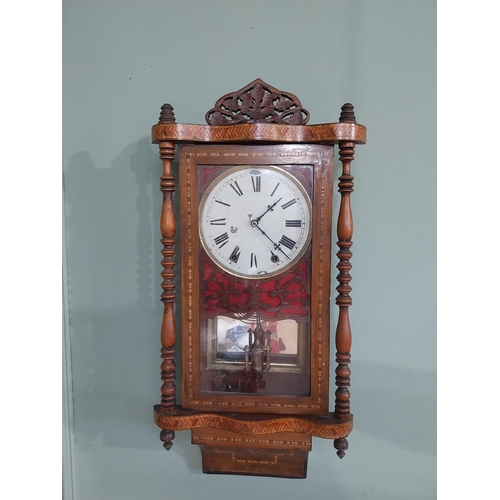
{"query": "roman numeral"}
(288, 203)
(274, 190)
(256, 183)
(221, 240)
(287, 242)
(218, 222)
(293, 223)
(237, 188)
(235, 254)
(222, 203)
(253, 260)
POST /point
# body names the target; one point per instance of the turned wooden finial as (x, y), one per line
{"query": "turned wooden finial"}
(347, 113)
(341, 446)
(167, 114)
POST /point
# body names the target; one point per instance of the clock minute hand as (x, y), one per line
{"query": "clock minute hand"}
(269, 207)
(276, 246)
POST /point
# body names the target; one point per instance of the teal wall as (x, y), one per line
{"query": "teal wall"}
(121, 61)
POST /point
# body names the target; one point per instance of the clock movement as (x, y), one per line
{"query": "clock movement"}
(255, 189)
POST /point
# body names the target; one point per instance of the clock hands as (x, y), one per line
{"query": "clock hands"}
(255, 223)
(269, 208)
(276, 245)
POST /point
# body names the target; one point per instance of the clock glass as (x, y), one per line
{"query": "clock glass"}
(255, 225)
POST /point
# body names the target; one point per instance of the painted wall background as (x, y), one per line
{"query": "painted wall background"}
(121, 62)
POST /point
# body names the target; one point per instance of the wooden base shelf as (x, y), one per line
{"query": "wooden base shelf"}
(323, 426)
(253, 444)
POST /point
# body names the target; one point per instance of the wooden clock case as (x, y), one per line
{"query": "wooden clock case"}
(255, 434)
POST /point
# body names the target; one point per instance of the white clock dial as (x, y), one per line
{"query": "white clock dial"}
(255, 221)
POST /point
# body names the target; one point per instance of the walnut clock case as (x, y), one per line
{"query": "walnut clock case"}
(255, 229)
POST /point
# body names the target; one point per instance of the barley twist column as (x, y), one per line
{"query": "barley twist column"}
(167, 228)
(343, 338)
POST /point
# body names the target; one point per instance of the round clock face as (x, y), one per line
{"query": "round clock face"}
(255, 221)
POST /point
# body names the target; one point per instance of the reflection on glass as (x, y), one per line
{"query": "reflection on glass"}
(255, 356)
(232, 336)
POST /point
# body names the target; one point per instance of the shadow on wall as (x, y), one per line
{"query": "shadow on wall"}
(115, 314)
(113, 252)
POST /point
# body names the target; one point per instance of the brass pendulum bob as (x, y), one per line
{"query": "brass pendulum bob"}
(257, 357)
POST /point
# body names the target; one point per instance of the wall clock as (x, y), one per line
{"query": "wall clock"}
(255, 190)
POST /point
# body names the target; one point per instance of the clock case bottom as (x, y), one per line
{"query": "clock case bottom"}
(254, 444)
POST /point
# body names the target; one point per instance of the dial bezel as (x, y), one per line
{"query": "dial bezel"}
(305, 241)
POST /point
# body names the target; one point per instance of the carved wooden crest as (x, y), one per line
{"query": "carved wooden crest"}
(258, 102)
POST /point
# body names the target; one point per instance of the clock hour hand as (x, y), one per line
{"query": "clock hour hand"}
(276, 245)
(269, 208)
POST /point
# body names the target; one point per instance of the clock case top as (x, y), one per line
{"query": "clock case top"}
(257, 115)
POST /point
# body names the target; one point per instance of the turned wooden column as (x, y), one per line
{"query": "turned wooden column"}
(167, 228)
(343, 337)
